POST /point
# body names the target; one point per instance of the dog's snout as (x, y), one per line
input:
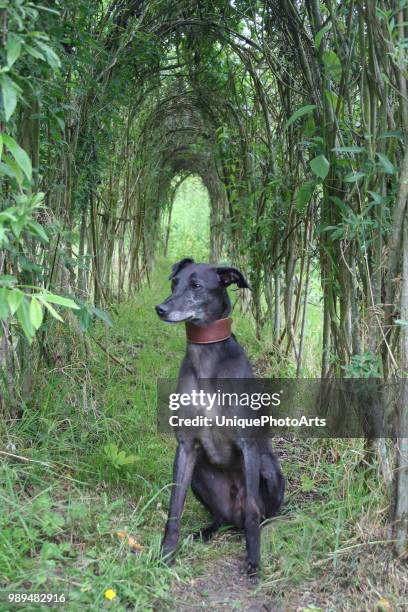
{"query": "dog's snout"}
(161, 310)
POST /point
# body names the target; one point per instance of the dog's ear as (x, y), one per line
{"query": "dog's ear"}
(228, 276)
(179, 266)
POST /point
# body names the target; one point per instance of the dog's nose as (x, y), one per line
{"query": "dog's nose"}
(161, 310)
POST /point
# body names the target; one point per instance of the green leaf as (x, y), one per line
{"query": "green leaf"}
(18, 226)
(387, 166)
(103, 315)
(19, 155)
(304, 194)
(305, 110)
(306, 483)
(13, 49)
(129, 459)
(34, 52)
(7, 280)
(121, 457)
(52, 311)
(13, 169)
(9, 95)
(339, 203)
(36, 313)
(7, 216)
(58, 299)
(320, 34)
(40, 7)
(320, 166)
(332, 65)
(49, 550)
(52, 58)
(38, 230)
(4, 309)
(52, 523)
(111, 449)
(6, 170)
(37, 199)
(84, 318)
(333, 99)
(348, 149)
(60, 122)
(14, 299)
(4, 239)
(353, 177)
(23, 316)
(392, 134)
(377, 197)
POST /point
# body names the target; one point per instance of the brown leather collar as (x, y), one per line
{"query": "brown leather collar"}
(207, 334)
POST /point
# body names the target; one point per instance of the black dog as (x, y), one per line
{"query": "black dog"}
(238, 480)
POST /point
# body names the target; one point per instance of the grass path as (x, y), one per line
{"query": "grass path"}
(94, 467)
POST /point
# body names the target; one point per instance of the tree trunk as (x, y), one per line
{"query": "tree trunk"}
(401, 474)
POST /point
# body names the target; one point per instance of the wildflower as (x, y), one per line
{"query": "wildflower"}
(110, 594)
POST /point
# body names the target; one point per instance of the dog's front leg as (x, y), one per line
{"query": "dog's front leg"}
(184, 462)
(252, 512)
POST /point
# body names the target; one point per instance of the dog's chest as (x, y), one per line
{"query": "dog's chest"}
(218, 449)
(203, 361)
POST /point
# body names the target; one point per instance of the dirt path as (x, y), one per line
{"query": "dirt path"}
(222, 586)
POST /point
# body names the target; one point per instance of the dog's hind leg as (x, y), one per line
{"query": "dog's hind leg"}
(207, 533)
(252, 469)
(212, 488)
(272, 484)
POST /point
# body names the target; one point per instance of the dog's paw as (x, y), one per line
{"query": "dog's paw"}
(253, 573)
(203, 535)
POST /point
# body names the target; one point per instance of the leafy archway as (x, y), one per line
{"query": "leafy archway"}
(294, 114)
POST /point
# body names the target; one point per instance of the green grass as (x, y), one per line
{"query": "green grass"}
(59, 522)
(190, 222)
(62, 506)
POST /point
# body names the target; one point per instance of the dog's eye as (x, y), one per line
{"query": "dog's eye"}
(195, 285)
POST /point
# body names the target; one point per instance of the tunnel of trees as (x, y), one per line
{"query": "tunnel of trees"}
(294, 115)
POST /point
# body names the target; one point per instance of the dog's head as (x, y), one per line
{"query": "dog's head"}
(199, 292)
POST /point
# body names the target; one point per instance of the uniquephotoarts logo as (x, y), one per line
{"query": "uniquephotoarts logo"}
(220, 420)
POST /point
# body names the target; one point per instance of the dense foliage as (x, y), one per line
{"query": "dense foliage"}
(293, 113)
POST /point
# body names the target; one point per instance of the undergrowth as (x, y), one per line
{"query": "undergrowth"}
(83, 468)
